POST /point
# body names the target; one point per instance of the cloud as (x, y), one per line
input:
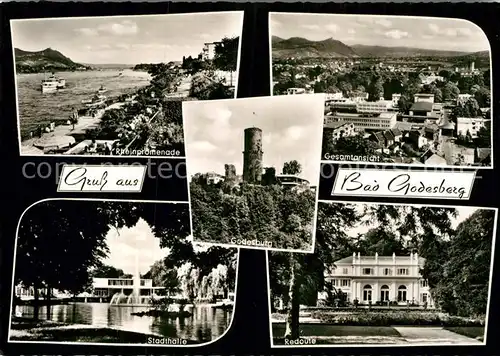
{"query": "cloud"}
(351, 31)
(275, 23)
(464, 32)
(451, 31)
(122, 46)
(311, 27)
(396, 34)
(294, 132)
(204, 146)
(332, 27)
(87, 31)
(219, 115)
(219, 128)
(123, 28)
(434, 28)
(204, 36)
(383, 22)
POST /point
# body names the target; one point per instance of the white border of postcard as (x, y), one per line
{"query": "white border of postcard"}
(113, 17)
(389, 16)
(488, 309)
(145, 344)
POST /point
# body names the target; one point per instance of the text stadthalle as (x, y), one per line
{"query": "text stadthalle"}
(252, 242)
(402, 184)
(166, 341)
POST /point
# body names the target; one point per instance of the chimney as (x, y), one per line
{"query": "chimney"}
(359, 256)
(393, 257)
(415, 257)
(376, 257)
(411, 256)
(354, 257)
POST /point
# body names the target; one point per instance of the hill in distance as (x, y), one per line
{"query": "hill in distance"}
(43, 61)
(301, 47)
(330, 48)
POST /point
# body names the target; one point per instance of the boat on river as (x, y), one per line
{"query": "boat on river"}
(96, 100)
(52, 84)
(102, 90)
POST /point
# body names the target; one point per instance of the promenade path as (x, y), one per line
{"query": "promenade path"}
(84, 123)
(434, 335)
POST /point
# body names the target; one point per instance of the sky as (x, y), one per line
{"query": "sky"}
(126, 243)
(126, 39)
(291, 125)
(390, 31)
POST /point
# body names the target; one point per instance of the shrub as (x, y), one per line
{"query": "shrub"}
(388, 318)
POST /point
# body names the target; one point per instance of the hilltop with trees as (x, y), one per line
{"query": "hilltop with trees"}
(47, 60)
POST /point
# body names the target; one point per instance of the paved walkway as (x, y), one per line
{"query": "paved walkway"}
(84, 123)
(434, 335)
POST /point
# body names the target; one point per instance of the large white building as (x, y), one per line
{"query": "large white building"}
(374, 107)
(382, 121)
(381, 279)
(471, 124)
(208, 51)
(107, 287)
(101, 287)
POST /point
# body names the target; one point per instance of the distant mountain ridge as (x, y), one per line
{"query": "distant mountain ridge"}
(45, 60)
(299, 47)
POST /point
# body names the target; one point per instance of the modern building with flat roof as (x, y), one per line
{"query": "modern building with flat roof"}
(374, 107)
(382, 121)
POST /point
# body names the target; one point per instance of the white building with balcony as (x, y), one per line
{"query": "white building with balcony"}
(381, 279)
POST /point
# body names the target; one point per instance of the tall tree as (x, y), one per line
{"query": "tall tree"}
(226, 54)
(292, 167)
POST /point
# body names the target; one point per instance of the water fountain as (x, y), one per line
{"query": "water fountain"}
(135, 298)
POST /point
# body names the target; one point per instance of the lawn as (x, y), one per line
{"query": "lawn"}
(338, 330)
(469, 331)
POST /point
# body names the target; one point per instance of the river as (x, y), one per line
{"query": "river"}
(205, 325)
(36, 108)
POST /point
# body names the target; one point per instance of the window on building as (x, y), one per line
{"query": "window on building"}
(367, 293)
(387, 272)
(402, 294)
(402, 271)
(384, 293)
(345, 283)
(345, 270)
(367, 271)
(424, 298)
(424, 283)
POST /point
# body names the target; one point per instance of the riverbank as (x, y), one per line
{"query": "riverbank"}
(84, 124)
(23, 329)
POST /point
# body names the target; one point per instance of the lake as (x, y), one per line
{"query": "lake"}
(36, 108)
(205, 325)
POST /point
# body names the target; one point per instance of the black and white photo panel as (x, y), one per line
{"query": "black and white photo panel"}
(399, 89)
(113, 85)
(386, 275)
(109, 272)
(253, 170)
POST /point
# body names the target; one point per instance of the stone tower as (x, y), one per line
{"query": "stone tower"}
(230, 173)
(252, 156)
